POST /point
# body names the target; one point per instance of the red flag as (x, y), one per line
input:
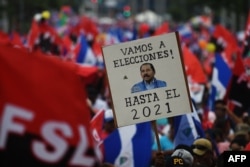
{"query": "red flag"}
(72, 48)
(16, 39)
(163, 28)
(246, 43)
(238, 66)
(239, 90)
(89, 27)
(97, 45)
(90, 73)
(193, 67)
(33, 34)
(228, 42)
(44, 37)
(44, 117)
(96, 126)
(221, 33)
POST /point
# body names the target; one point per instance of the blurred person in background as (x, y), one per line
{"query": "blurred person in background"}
(238, 144)
(203, 153)
(109, 124)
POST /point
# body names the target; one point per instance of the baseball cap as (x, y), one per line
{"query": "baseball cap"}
(201, 146)
(242, 129)
(182, 154)
(108, 115)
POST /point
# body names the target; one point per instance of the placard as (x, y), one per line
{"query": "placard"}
(133, 100)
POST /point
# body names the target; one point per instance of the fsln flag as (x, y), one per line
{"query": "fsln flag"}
(246, 46)
(129, 146)
(193, 67)
(96, 126)
(220, 79)
(239, 89)
(43, 118)
(226, 43)
(187, 128)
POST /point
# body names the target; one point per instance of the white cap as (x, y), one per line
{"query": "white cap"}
(37, 17)
(108, 115)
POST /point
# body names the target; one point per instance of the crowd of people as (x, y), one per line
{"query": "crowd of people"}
(226, 134)
(225, 127)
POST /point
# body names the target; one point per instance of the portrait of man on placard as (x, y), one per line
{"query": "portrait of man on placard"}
(147, 71)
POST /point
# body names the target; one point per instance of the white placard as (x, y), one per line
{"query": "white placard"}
(123, 63)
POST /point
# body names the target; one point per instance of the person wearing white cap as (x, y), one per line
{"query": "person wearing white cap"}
(108, 124)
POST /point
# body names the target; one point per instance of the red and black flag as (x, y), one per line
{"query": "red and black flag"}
(239, 90)
(246, 42)
(44, 117)
(226, 43)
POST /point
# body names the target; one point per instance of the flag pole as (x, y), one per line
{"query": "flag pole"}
(156, 134)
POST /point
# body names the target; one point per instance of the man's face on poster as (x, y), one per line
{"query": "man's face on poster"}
(147, 73)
